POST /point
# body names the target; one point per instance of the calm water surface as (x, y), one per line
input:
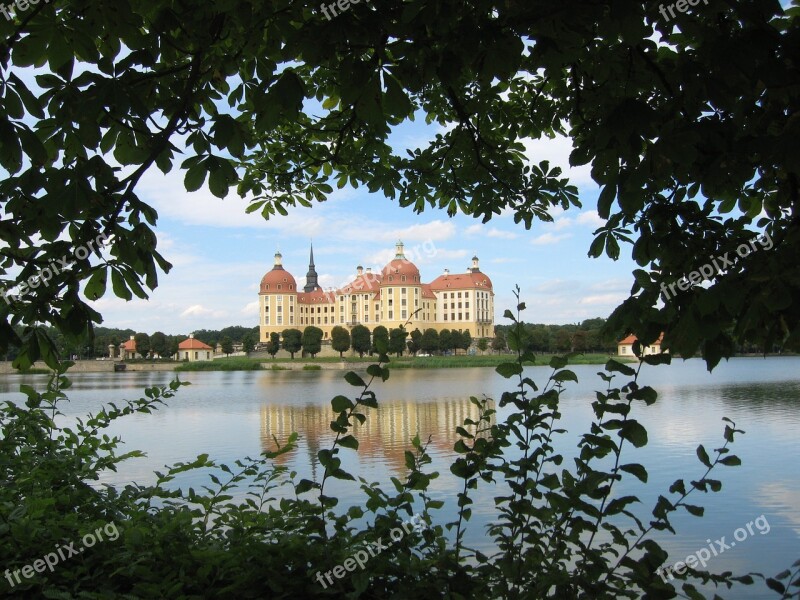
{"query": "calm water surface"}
(234, 414)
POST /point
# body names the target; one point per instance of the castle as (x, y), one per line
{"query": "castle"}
(462, 301)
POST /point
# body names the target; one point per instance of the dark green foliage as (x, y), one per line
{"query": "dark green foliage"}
(142, 341)
(456, 340)
(158, 344)
(690, 129)
(361, 340)
(312, 340)
(499, 343)
(397, 341)
(466, 340)
(430, 341)
(415, 343)
(274, 344)
(445, 340)
(482, 344)
(292, 341)
(340, 339)
(248, 343)
(226, 344)
(380, 340)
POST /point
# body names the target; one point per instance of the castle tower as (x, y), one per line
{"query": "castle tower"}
(311, 276)
(475, 265)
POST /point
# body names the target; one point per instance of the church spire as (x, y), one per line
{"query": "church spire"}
(311, 276)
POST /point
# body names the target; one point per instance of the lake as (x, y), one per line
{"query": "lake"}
(234, 414)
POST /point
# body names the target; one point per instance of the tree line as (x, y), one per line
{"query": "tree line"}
(397, 341)
(588, 336)
(147, 345)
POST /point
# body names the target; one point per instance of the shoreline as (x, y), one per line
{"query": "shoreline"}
(326, 363)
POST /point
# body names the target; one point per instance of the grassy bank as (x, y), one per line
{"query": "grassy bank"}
(489, 360)
(404, 362)
(237, 363)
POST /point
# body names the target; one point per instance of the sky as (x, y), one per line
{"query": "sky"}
(219, 253)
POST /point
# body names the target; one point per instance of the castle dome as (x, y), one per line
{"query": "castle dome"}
(278, 276)
(398, 267)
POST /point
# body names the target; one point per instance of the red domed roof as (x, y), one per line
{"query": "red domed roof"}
(278, 276)
(397, 268)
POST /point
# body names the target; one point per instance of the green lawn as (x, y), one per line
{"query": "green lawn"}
(239, 363)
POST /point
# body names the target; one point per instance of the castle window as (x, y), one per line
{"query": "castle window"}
(266, 287)
(403, 279)
(445, 317)
(391, 315)
(403, 315)
(291, 287)
(279, 286)
(467, 316)
(391, 278)
(280, 320)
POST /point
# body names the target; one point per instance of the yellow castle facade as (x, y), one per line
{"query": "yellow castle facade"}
(461, 301)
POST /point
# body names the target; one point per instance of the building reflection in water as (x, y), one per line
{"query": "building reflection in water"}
(384, 436)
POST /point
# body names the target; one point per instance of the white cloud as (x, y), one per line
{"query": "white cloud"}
(166, 193)
(445, 254)
(603, 299)
(590, 218)
(557, 152)
(549, 238)
(474, 229)
(198, 310)
(434, 231)
(611, 285)
(562, 223)
(585, 218)
(251, 308)
(494, 232)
